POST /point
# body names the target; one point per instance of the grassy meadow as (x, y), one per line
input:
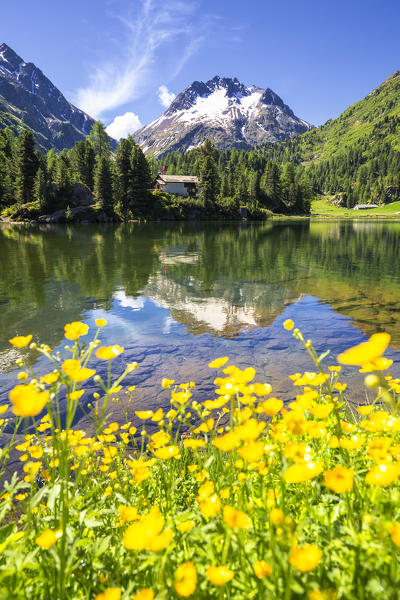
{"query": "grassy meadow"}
(323, 207)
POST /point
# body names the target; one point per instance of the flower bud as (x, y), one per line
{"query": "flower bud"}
(371, 381)
(132, 366)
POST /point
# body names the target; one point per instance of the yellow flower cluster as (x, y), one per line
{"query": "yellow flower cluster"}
(238, 491)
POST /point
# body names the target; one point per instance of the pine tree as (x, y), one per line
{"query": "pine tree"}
(5, 181)
(62, 173)
(270, 185)
(123, 172)
(99, 139)
(40, 189)
(82, 163)
(209, 179)
(51, 159)
(141, 181)
(103, 188)
(26, 165)
(288, 185)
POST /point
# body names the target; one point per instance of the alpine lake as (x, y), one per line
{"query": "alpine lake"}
(178, 295)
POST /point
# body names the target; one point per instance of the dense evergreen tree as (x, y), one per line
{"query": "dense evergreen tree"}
(139, 202)
(25, 166)
(123, 184)
(40, 192)
(99, 139)
(103, 188)
(209, 178)
(82, 163)
(62, 173)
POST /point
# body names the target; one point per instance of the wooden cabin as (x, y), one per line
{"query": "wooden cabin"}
(178, 185)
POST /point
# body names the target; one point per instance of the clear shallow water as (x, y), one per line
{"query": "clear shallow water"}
(178, 295)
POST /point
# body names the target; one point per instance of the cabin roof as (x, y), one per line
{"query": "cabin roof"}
(365, 206)
(177, 178)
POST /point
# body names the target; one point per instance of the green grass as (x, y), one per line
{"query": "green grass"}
(322, 206)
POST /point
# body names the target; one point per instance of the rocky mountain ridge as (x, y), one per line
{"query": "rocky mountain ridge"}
(224, 110)
(28, 99)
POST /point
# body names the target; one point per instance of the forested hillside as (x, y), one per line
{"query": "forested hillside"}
(90, 182)
(356, 155)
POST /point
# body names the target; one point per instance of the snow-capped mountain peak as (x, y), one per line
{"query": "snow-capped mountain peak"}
(226, 111)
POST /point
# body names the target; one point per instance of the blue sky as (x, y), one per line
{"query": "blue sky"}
(124, 60)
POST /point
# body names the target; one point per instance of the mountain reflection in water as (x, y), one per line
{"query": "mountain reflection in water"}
(177, 295)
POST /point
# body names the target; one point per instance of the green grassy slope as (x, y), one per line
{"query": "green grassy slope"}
(357, 154)
(367, 118)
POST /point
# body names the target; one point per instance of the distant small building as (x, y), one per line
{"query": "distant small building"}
(365, 206)
(179, 185)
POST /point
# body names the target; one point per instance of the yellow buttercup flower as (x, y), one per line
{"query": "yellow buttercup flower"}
(302, 472)
(367, 352)
(260, 389)
(159, 439)
(166, 452)
(365, 410)
(276, 516)
(48, 538)
(128, 513)
(339, 479)
(158, 415)
(76, 395)
(252, 452)
(211, 506)
(50, 378)
(218, 362)
(322, 411)
(383, 474)
(75, 330)
(109, 352)
(186, 526)
(166, 383)
(227, 442)
(27, 400)
(193, 443)
(101, 322)
(219, 575)
(250, 430)
(395, 534)
(20, 341)
(288, 324)
(305, 558)
(145, 534)
(144, 594)
(237, 519)
(144, 414)
(75, 371)
(109, 594)
(185, 579)
(270, 407)
(262, 569)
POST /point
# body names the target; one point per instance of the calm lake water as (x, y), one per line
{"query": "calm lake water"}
(179, 295)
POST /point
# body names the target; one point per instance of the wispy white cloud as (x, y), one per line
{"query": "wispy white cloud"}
(122, 79)
(165, 96)
(123, 125)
